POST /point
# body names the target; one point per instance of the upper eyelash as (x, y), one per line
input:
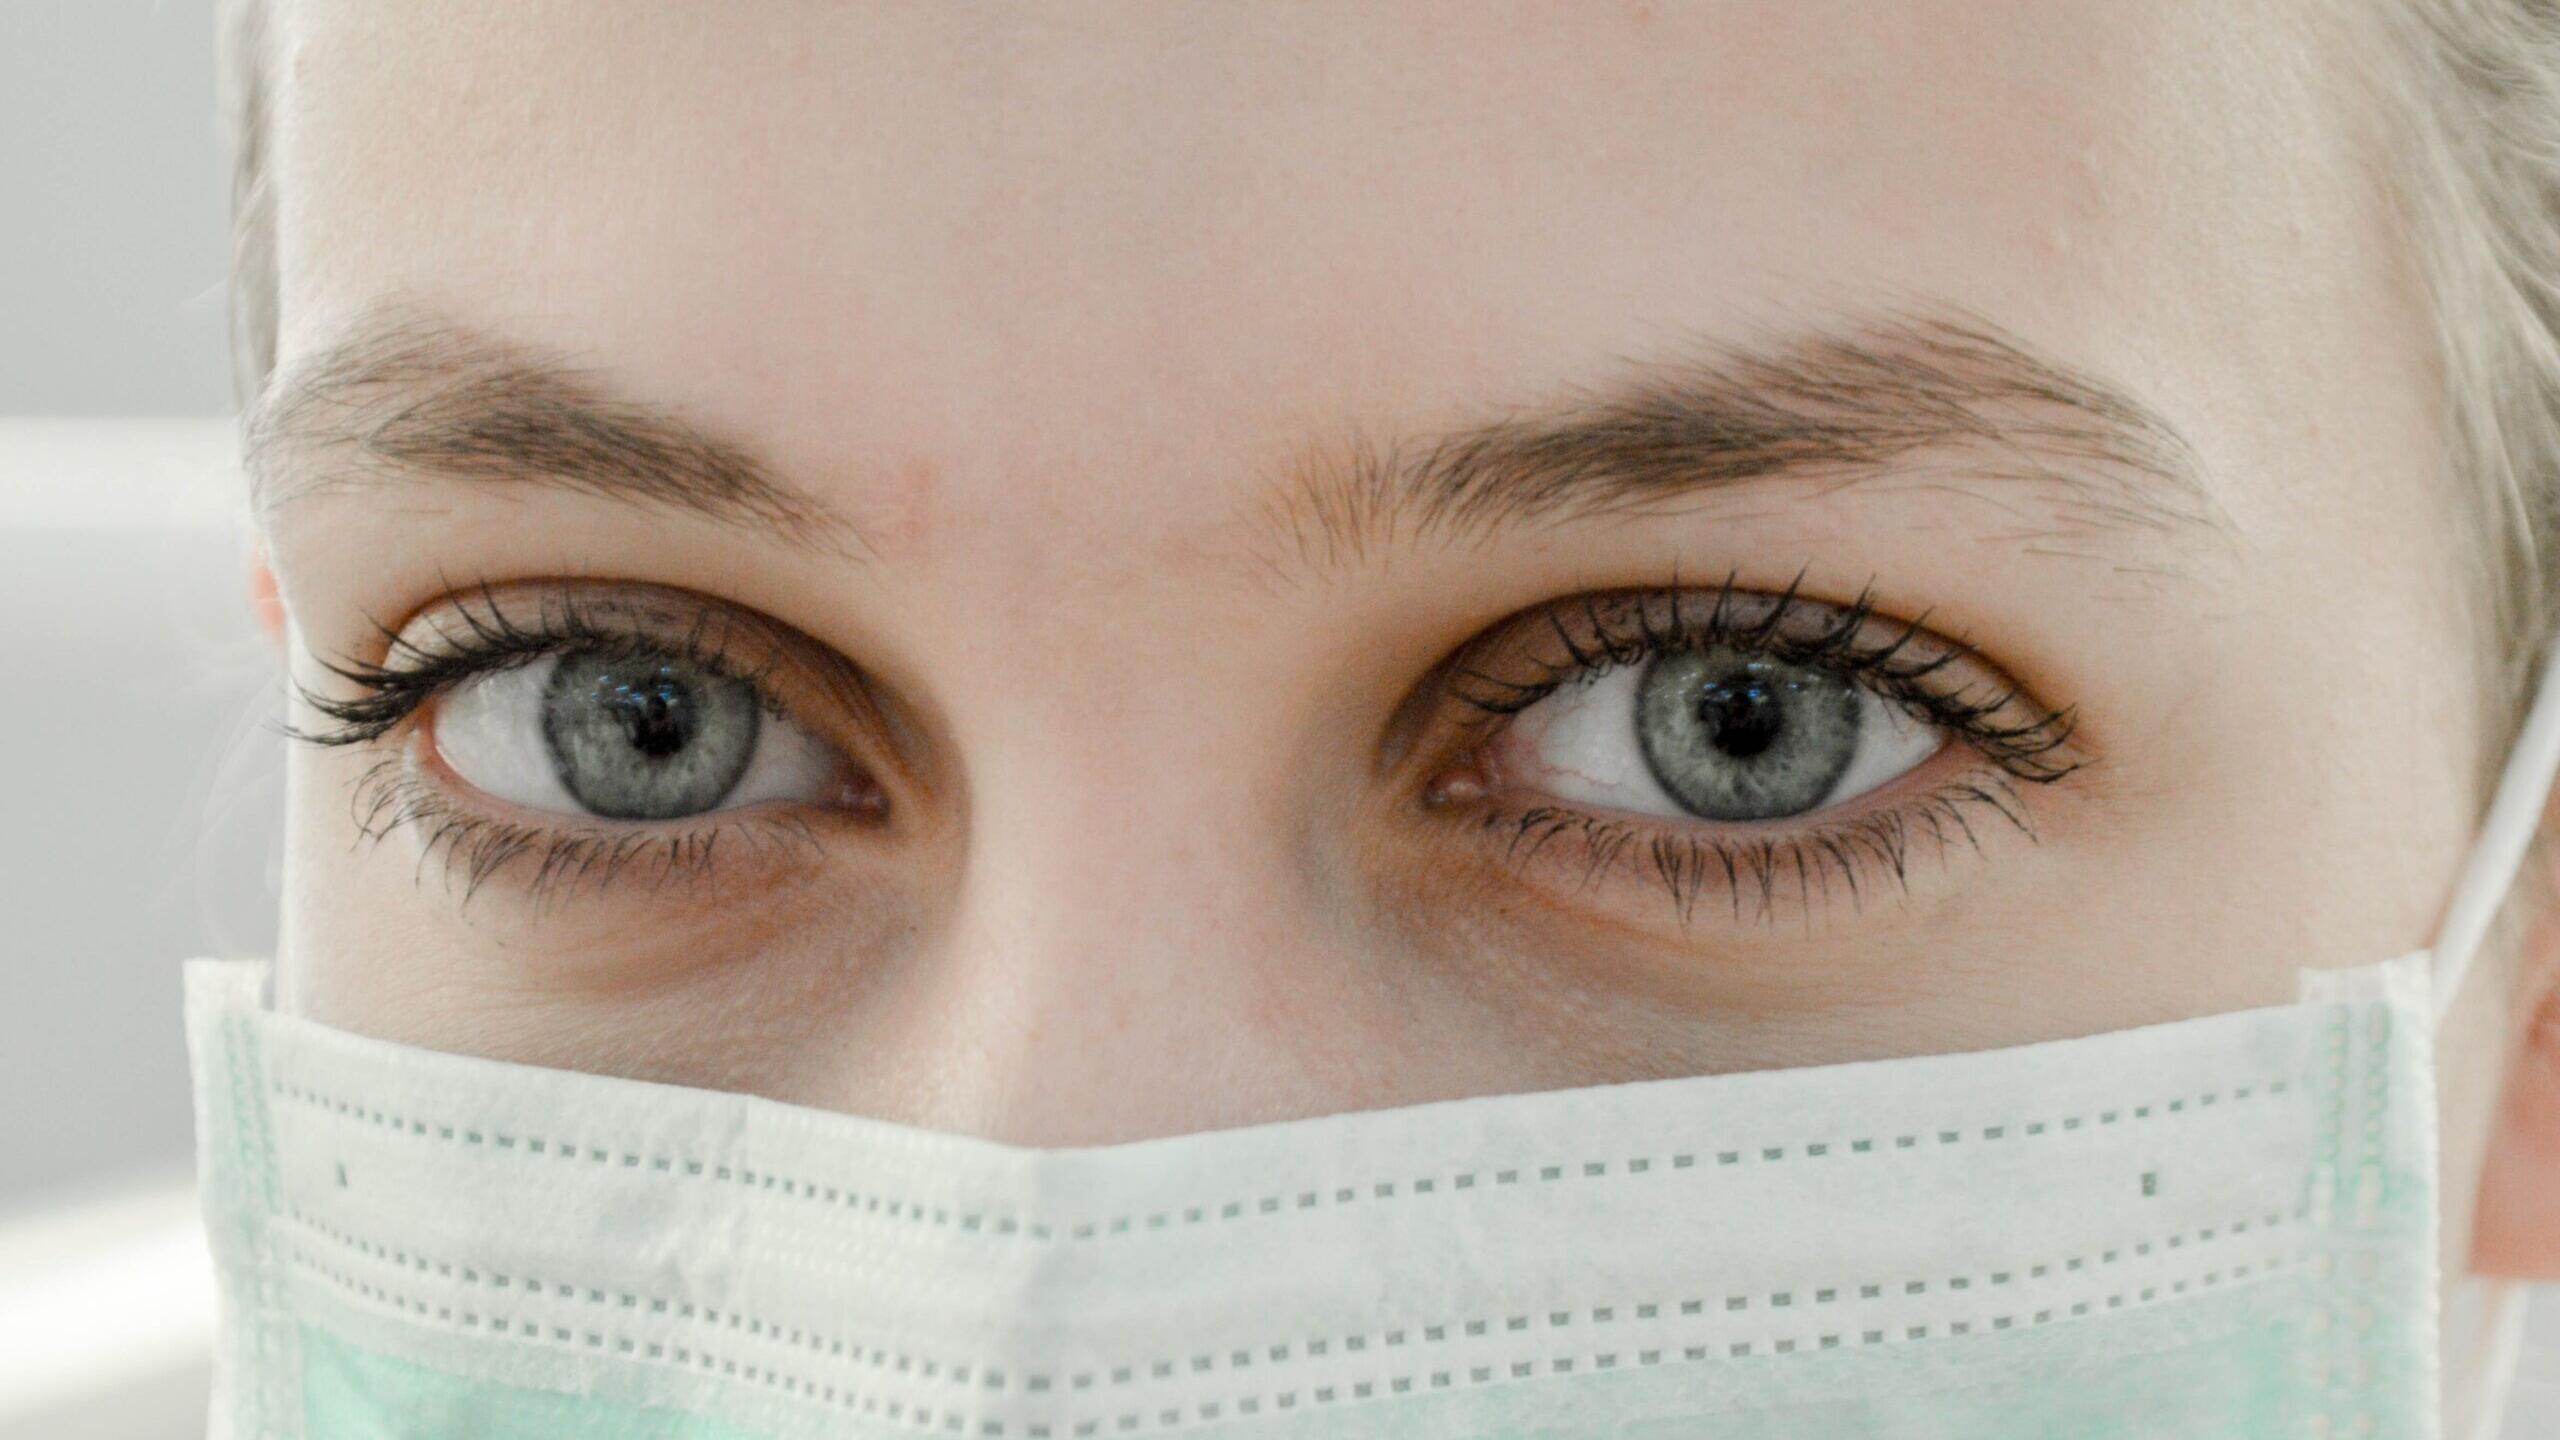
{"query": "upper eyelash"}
(2028, 746)
(390, 690)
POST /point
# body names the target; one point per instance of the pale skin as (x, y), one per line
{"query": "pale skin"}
(1143, 829)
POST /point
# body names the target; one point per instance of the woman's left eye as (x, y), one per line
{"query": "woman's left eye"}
(1716, 734)
(624, 733)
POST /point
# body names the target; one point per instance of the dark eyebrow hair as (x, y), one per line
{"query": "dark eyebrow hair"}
(1834, 403)
(408, 394)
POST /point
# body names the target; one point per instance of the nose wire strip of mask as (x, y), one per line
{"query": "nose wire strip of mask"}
(2515, 815)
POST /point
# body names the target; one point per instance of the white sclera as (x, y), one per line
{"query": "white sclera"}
(1581, 744)
(488, 729)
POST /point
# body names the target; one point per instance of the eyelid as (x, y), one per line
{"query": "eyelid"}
(2006, 740)
(486, 629)
(488, 626)
(1939, 681)
(471, 634)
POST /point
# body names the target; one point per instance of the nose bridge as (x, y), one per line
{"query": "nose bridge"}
(1126, 845)
(1108, 721)
(1109, 962)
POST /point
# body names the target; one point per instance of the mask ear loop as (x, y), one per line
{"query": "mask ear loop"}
(2515, 815)
(2501, 1345)
(2506, 836)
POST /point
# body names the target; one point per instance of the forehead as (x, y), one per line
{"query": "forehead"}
(1113, 239)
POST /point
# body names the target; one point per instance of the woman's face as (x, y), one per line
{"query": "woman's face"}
(1133, 569)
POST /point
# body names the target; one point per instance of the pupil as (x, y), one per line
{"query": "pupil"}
(1741, 715)
(1733, 737)
(658, 717)
(647, 738)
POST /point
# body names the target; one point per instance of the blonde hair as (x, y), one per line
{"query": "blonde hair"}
(2470, 94)
(241, 40)
(2473, 89)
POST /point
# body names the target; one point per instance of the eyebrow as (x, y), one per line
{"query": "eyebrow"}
(408, 396)
(2070, 458)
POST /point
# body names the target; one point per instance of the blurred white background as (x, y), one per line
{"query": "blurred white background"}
(139, 793)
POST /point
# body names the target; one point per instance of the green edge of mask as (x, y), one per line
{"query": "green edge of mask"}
(352, 1394)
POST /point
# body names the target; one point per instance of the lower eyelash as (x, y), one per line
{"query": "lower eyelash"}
(389, 796)
(1759, 875)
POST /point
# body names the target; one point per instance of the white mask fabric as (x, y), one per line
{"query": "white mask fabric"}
(2222, 1226)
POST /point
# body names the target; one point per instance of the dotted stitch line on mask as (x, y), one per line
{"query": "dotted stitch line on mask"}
(955, 1421)
(916, 1212)
(1264, 1357)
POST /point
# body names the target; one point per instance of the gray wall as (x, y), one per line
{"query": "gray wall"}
(114, 229)
(137, 796)
(139, 824)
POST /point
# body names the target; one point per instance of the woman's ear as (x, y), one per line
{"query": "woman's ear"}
(2516, 1228)
(264, 599)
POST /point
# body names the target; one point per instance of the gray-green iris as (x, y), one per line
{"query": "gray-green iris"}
(647, 737)
(1734, 736)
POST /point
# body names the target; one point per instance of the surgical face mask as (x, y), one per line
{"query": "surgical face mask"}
(2225, 1226)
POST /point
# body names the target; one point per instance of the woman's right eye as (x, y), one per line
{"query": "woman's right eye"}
(628, 733)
